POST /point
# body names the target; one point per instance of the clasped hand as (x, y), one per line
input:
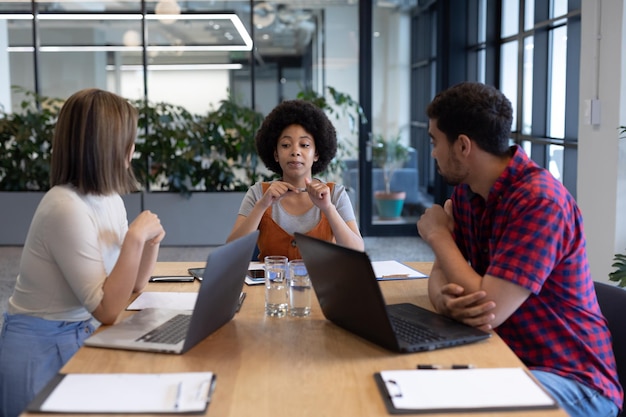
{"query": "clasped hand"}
(148, 226)
(471, 309)
(317, 190)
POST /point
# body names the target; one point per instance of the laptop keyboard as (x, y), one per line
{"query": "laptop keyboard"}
(171, 332)
(411, 332)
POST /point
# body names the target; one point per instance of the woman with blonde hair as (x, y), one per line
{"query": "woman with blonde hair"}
(81, 259)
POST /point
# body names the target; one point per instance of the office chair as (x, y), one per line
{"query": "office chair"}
(612, 301)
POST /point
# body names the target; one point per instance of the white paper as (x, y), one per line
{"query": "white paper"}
(387, 270)
(464, 389)
(169, 300)
(130, 393)
(256, 265)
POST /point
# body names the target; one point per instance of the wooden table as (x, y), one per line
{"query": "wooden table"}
(294, 367)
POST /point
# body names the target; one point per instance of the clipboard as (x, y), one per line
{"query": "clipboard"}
(461, 391)
(126, 393)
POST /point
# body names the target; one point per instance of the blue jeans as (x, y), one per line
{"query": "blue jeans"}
(32, 351)
(577, 399)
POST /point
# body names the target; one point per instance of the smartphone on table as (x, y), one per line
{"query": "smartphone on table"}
(171, 278)
(256, 274)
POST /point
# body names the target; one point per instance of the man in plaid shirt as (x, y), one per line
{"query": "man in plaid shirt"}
(510, 252)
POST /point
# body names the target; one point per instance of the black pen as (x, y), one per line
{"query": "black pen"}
(179, 393)
(453, 366)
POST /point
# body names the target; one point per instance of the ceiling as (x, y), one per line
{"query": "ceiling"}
(283, 29)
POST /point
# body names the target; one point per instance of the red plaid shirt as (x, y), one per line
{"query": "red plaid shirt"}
(530, 232)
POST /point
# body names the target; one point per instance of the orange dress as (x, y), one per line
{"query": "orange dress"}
(274, 240)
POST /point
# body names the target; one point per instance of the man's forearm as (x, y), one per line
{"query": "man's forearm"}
(436, 280)
(452, 266)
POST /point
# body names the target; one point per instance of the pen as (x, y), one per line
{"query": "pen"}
(302, 190)
(453, 366)
(395, 276)
(179, 392)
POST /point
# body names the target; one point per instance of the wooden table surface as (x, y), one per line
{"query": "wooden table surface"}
(296, 367)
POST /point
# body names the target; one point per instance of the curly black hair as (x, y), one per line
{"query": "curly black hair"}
(477, 110)
(302, 113)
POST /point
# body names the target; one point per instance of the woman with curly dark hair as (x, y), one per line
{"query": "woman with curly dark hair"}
(296, 141)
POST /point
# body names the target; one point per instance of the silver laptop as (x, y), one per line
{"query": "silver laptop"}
(349, 295)
(177, 331)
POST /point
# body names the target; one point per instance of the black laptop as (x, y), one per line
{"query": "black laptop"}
(177, 331)
(349, 295)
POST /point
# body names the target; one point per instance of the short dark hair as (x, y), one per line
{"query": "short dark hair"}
(477, 110)
(93, 138)
(302, 113)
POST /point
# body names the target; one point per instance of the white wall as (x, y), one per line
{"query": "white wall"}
(601, 188)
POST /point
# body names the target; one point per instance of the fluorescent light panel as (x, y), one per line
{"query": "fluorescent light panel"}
(95, 48)
(176, 67)
(232, 17)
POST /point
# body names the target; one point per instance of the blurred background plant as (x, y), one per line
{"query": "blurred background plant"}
(25, 143)
(619, 261)
(181, 152)
(176, 151)
(343, 108)
(619, 275)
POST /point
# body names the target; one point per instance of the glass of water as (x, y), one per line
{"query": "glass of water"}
(299, 289)
(276, 291)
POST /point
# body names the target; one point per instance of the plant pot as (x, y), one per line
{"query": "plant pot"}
(389, 205)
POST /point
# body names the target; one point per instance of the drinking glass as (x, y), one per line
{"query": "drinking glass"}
(276, 294)
(299, 289)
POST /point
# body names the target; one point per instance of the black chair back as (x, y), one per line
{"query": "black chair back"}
(612, 302)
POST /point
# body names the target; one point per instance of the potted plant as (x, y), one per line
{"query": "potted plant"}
(178, 155)
(389, 154)
(619, 275)
(26, 141)
(231, 129)
(196, 168)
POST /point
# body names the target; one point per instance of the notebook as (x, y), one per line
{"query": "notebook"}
(177, 331)
(349, 295)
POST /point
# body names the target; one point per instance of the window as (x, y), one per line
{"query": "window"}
(522, 48)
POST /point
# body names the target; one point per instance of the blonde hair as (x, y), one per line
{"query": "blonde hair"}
(93, 139)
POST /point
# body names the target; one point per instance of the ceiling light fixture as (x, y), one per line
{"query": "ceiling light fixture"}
(238, 37)
(176, 67)
(264, 14)
(131, 38)
(166, 9)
